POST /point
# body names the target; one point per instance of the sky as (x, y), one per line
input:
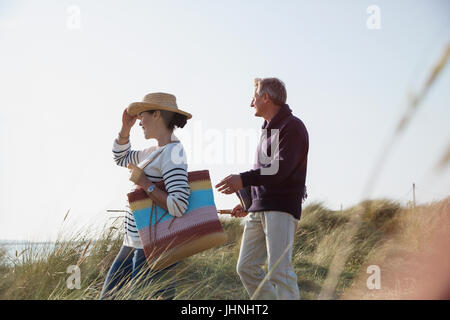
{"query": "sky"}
(69, 68)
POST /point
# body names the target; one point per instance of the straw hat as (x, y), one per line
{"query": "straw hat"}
(156, 101)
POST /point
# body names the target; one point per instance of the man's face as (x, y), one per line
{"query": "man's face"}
(258, 103)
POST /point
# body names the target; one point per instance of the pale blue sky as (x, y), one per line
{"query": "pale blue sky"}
(62, 92)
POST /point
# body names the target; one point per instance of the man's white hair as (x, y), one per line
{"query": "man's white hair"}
(274, 87)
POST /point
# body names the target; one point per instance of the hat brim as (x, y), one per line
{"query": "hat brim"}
(135, 108)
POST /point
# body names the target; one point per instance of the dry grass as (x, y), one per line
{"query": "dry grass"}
(388, 235)
(413, 260)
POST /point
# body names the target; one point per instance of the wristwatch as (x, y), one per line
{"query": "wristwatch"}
(151, 188)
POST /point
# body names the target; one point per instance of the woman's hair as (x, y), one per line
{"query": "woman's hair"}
(172, 119)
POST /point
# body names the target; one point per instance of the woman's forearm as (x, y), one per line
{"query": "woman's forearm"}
(160, 198)
(124, 135)
(157, 195)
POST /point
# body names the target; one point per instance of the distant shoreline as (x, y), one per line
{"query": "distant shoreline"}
(16, 242)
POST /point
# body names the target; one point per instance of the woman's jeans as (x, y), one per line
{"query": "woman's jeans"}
(130, 268)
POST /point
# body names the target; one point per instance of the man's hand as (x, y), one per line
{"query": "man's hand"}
(238, 212)
(230, 184)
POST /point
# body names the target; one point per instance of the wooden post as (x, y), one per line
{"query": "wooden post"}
(414, 195)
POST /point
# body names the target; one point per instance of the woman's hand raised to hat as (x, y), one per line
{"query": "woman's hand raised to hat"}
(128, 121)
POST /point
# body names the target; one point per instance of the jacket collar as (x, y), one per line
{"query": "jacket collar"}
(284, 112)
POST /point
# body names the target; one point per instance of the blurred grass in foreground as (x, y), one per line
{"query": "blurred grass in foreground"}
(387, 236)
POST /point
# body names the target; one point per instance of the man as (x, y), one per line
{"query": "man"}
(272, 195)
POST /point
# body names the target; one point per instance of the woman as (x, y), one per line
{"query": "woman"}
(159, 116)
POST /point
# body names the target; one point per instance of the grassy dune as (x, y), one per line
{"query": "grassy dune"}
(388, 235)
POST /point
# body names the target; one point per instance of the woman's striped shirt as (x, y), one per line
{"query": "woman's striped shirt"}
(170, 165)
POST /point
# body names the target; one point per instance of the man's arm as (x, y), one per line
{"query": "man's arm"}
(245, 197)
(293, 147)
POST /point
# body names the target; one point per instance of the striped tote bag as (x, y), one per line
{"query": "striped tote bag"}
(167, 239)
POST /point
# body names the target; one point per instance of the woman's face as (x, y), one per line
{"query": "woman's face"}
(148, 123)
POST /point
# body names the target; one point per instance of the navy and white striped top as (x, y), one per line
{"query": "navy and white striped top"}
(169, 165)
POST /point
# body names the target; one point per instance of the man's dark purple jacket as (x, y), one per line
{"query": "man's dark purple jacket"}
(285, 190)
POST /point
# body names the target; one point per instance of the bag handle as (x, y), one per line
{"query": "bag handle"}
(148, 161)
(153, 209)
